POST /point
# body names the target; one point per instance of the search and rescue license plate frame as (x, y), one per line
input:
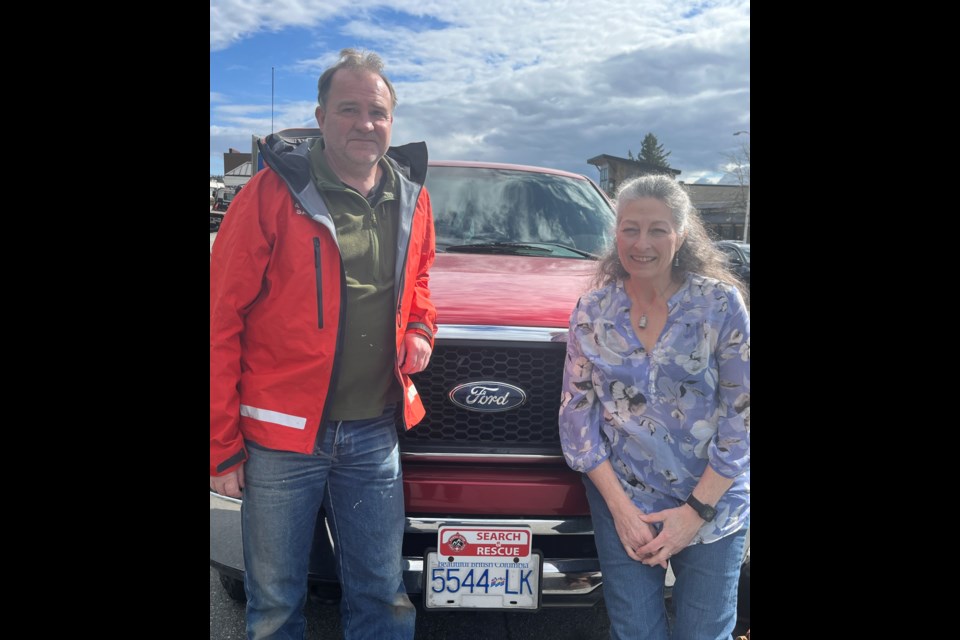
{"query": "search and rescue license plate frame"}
(483, 568)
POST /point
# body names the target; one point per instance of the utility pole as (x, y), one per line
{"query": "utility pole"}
(746, 218)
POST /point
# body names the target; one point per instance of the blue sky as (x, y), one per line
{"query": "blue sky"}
(542, 82)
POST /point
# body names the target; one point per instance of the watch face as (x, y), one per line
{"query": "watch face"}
(705, 511)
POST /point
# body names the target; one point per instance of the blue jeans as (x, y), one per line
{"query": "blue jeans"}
(704, 593)
(355, 475)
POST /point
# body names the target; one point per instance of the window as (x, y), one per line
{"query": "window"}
(482, 205)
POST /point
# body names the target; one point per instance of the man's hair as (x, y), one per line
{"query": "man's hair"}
(357, 60)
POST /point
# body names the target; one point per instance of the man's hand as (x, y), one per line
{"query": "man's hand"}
(414, 353)
(229, 484)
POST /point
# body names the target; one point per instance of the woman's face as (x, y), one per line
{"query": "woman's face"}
(647, 239)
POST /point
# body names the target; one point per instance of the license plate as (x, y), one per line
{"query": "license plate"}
(482, 568)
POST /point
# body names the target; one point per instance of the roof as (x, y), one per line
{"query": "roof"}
(604, 158)
(716, 196)
(244, 170)
(233, 158)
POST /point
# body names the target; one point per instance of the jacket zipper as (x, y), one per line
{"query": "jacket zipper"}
(337, 353)
(316, 266)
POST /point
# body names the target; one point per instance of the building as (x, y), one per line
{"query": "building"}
(233, 159)
(614, 170)
(239, 175)
(723, 207)
(237, 168)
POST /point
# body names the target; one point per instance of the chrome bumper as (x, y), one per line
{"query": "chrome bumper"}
(565, 582)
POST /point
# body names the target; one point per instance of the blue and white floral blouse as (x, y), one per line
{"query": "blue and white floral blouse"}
(661, 417)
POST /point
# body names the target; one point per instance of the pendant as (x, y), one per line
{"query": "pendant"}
(642, 323)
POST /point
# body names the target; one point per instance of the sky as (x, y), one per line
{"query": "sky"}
(547, 83)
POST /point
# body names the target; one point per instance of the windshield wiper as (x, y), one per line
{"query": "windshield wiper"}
(496, 247)
(515, 247)
(585, 254)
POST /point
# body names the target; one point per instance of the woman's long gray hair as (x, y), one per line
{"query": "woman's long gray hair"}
(697, 254)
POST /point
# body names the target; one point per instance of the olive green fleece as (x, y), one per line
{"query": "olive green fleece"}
(367, 236)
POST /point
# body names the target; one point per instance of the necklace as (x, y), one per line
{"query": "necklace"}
(642, 322)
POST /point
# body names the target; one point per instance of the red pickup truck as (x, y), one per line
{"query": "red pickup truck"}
(516, 247)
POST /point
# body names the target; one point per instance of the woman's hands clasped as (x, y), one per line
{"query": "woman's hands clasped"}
(680, 525)
(633, 531)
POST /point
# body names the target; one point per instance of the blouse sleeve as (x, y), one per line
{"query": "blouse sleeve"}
(580, 410)
(729, 453)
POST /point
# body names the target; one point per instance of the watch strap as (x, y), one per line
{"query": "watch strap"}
(705, 511)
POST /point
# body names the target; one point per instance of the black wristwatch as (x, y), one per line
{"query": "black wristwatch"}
(705, 511)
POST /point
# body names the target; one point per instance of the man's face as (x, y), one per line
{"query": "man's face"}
(356, 121)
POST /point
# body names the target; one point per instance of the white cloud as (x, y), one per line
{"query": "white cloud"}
(234, 20)
(530, 81)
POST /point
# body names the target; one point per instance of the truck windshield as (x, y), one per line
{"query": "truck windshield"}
(480, 209)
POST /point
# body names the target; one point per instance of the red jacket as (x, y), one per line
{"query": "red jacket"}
(276, 304)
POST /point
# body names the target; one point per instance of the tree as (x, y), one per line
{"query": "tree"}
(738, 165)
(652, 151)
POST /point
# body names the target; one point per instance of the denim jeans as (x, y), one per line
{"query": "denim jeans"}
(355, 475)
(704, 593)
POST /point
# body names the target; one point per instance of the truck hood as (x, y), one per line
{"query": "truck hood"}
(507, 290)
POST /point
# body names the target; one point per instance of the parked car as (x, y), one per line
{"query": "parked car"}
(738, 255)
(214, 185)
(516, 247)
(221, 202)
(223, 199)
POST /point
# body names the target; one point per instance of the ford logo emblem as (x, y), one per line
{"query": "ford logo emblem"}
(487, 396)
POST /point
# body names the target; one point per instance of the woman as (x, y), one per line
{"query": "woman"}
(656, 413)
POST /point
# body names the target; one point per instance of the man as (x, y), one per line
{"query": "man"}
(319, 311)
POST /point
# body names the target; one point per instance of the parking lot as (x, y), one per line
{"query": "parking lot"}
(323, 621)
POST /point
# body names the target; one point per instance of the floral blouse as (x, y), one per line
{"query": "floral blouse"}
(661, 417)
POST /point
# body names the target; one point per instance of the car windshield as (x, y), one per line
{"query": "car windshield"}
(493, 210)
(746, 252)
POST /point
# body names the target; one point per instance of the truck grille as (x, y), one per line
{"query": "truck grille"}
(529, 429)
